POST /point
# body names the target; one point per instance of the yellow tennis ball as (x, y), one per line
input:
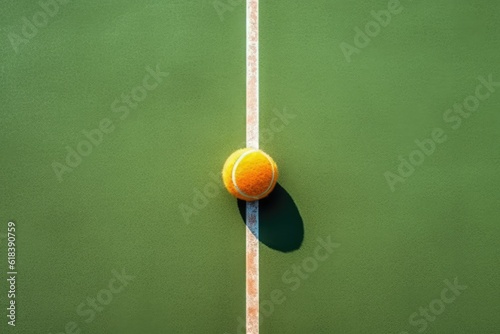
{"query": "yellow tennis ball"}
(250, 174)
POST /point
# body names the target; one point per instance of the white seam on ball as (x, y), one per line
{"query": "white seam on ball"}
(233, 174)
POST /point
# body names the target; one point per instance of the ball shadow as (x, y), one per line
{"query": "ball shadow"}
(280, 224)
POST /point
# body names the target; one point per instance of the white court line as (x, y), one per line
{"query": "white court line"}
(252, 132)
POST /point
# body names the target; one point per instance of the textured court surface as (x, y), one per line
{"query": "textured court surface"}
(387, 136)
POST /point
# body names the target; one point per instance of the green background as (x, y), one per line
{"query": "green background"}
(121, 207)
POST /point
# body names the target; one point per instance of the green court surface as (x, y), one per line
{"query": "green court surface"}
(383, 116)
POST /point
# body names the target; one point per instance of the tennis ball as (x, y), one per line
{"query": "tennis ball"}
(250, 174)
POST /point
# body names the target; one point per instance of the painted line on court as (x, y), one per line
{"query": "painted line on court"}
(252, 136)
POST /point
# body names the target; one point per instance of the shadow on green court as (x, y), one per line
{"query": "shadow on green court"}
(280, 224)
